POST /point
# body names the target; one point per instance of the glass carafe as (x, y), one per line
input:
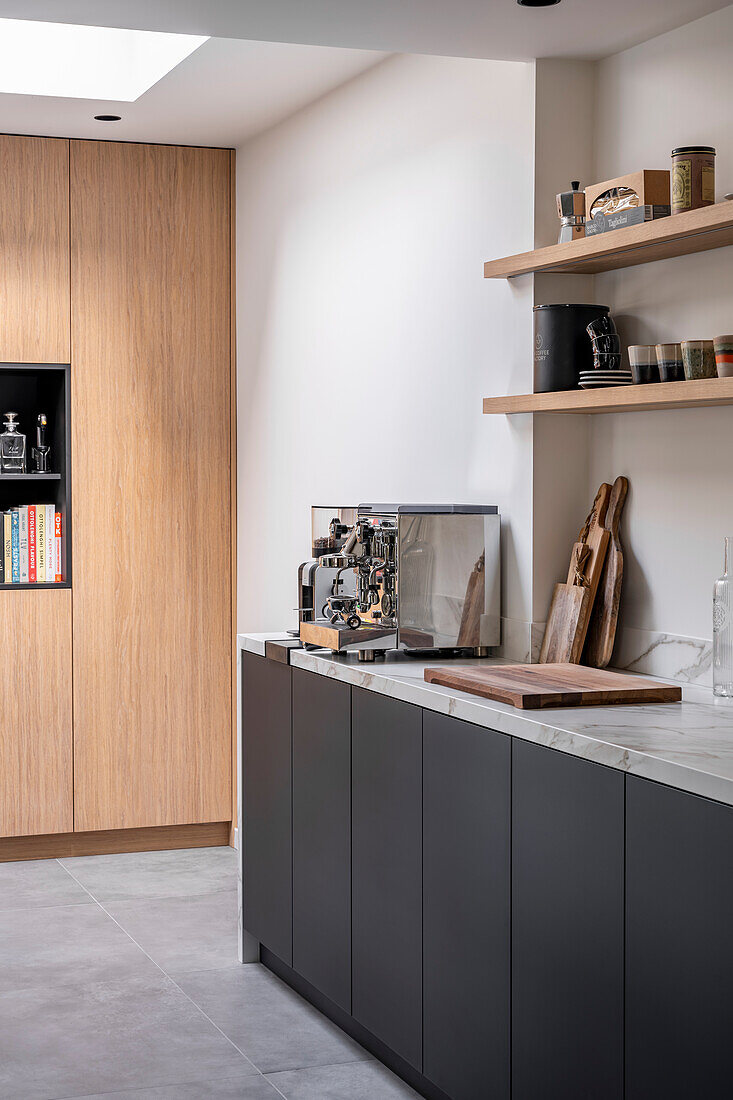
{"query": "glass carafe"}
(722, 630)
(12, 447)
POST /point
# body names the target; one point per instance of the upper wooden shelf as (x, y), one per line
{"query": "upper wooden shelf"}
(678, 235)
(661, 395)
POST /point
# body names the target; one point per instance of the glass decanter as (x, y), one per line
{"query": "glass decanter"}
(12, 447)
(722, 631)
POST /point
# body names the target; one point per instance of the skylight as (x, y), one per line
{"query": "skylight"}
(62, 59)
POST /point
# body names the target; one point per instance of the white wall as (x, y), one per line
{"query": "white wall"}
(673, 90)
(367, 336)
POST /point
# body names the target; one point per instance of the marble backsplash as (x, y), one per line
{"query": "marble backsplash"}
(671, 656)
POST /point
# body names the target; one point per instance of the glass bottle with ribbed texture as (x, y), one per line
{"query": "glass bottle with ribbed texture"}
(723, 630)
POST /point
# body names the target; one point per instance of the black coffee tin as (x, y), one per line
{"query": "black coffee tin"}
(562, 347)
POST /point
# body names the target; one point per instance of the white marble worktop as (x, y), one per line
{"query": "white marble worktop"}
(688, 745)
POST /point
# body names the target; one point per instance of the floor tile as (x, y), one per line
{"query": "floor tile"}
(274, 1027)
(41, 948)
(357, 1081)
(107, 1037)
(38, 883)
(181, 873)
(181, 934)
(235, 1088)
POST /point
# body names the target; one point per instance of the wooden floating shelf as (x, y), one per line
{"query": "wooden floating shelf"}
(678, 235)
(661, 395)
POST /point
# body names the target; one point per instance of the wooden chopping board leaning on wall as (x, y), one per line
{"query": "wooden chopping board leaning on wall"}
(577, 601)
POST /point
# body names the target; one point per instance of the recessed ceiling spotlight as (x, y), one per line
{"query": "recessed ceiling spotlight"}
(537, 3)
(108, 118)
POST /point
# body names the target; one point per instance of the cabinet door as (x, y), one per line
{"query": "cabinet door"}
(152, 501)
(387, 871)
(35, 704)
(34, 250)
(322, 834)
(267, 890)
(567, 927)
(466, 918)
(679, 950)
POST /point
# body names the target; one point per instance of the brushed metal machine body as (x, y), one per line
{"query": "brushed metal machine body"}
(414, 577)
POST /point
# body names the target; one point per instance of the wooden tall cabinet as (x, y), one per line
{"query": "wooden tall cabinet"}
(151, 444)
(36, 748)
(116, 689)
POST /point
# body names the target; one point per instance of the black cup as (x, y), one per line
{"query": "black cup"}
(608, 361)
(601, 326)
(608, 344)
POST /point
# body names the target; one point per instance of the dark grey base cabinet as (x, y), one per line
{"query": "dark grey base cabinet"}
(322, 834)
(493, 919)
(567, 927)
(466, 908)
(267, 837)
(679, 945)
(387, 871)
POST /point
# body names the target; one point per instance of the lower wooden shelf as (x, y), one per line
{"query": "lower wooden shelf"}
(42, 585)
(661, 395)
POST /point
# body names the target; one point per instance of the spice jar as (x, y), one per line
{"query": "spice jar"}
(693, 177)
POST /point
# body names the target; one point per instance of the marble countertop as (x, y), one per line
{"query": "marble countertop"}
(688, 745)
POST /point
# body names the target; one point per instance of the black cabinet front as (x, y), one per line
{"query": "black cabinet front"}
(466, 908)
(679, 945)
(471, 900)
(322, 834)
(387, 871)
(266, 804)
(567, 927)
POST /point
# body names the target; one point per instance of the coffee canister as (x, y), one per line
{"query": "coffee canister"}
(562, 347)
(693, 177)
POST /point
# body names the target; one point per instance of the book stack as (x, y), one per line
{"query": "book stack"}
(32, 545)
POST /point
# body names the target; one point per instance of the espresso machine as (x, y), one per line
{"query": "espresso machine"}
(414, 577)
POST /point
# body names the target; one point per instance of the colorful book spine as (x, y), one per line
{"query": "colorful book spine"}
(8, 547)
(31, 544)
(41, 543)
(23, 528)
(50, 544)
(15, 545)
(58, 527)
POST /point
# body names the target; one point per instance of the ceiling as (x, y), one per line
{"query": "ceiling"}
(222, 94)
(266, 59)
(462, 28)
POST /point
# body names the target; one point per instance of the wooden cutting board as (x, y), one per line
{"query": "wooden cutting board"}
(531, 687)
(604, 620)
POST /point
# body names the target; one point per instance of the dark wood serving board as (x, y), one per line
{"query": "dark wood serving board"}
(531, 687)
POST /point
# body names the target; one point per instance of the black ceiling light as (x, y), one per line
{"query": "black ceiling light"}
(108, 118)
(537, 3)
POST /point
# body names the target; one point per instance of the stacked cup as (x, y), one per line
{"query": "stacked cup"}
(606, 356)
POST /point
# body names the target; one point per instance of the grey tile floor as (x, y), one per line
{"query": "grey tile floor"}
(119, 978)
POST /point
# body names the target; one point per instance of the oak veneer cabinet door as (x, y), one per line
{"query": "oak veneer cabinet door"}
(34, 250)
(35, 704)
(151, 435)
